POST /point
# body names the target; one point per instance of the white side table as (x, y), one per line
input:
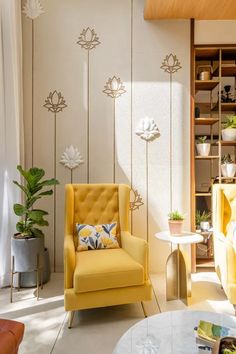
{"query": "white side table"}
(178, 265)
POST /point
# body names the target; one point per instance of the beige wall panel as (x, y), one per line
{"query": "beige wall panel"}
(215, 32)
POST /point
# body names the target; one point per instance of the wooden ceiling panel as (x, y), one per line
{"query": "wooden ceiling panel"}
(185, 9)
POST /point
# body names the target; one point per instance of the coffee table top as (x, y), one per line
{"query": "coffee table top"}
(184, 238)
(172, 332)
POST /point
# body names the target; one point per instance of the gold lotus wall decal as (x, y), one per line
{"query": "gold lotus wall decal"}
(88, 40)
(114, 88)
(32, 10)
(55, 103)
(71, 159)
(148, 131)
(137, 202)
(171, 65)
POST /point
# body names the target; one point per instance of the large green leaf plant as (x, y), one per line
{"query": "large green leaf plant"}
(33, 189)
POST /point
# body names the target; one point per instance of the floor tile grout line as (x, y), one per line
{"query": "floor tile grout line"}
(54, 344)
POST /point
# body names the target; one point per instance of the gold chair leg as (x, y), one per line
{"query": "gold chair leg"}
(144, 311)
(70, 318)
(12, 270)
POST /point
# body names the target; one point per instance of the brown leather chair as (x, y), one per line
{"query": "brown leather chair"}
(11, 335)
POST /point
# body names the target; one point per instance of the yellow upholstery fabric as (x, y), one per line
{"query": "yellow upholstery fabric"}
(224, 212)
(106, 269)
(103, 277)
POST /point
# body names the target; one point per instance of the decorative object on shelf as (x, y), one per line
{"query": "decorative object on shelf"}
(88, 40)
(197, 112)
(71, 158)
(171, 65)
(55, 103)
(228, 166)
(32, 10)
(204, 72)
(203, 220)
(227, 89)
(229, 129)
(114, 88)
(203, 148)
(175, 222)
(148, 131)
(28, 243)
(137, 201)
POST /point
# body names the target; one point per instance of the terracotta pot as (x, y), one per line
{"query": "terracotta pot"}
(203, 149)
(175, 227)
(218, 344)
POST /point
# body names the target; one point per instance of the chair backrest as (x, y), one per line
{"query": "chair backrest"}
(96, 204)
(224, 206)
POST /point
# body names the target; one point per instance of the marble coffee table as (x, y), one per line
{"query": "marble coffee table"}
(169, 332)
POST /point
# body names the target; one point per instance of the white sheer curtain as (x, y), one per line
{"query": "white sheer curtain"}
(10, 125)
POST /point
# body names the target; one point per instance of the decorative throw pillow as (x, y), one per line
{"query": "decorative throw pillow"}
(92, 237)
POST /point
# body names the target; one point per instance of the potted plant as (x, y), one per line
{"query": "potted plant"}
(229, 129)
(226, 345)
(203, 148)
(228, 167)
(202, 220)
(28, 243)
(175, 222)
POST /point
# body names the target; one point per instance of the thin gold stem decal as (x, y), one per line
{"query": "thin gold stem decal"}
(55, 103)
(88, 40)
(171, 65)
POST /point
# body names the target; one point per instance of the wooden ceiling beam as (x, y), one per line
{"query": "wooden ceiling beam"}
(186, 9)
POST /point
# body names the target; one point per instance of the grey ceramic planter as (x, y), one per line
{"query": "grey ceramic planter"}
(29, 279)
(26, 253)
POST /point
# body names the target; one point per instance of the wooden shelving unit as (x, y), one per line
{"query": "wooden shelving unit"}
(207, 95)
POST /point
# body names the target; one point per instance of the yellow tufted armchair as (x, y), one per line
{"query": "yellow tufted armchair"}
(105, 277)
(224, 225)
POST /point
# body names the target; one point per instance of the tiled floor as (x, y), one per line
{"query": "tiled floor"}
(96, 331)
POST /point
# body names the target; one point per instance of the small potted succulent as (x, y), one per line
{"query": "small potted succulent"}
(175, 222)
(228, 166)
(229, 129)
(226, 345)
(203, 148)
(203, 220)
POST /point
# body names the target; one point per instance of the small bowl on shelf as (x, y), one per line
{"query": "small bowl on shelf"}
(225, 345)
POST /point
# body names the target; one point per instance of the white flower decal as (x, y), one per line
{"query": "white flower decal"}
(71, 157)
(32, 9)
(147, 129)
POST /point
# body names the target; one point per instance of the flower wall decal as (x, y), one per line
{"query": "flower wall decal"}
(114, 87)
(147, 129)
(137, 202)
(55, 102)
(71, 158)
(171, 64)
(88, 39)
(32, 9)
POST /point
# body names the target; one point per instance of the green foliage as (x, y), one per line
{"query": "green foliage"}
(230, 122)
(230, 351)
(201, 139)
(204, 216)
(226, 159)
(175, 215)
(33, 190)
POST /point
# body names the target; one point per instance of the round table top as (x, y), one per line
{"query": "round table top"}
(184, 238)
(169, 332)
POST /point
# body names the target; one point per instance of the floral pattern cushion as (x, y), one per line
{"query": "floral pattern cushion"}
(92, 237)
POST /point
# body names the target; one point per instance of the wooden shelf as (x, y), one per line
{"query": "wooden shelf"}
(207, 53)
(227, 70)
(206, 121)
(205, 263)
(227, 178)
(206, 157)
(228, 106)
(202, 194)
(205, 85)
(225, 143)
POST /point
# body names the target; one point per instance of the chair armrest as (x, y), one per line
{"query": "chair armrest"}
(69, 261)
(137, 248)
